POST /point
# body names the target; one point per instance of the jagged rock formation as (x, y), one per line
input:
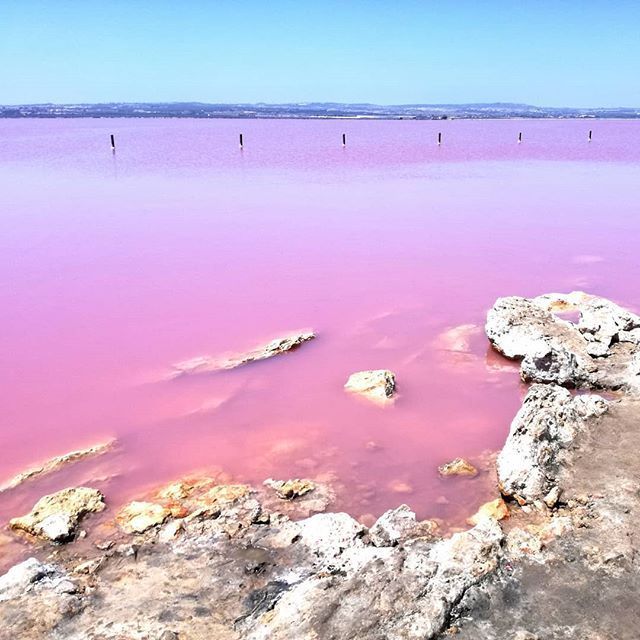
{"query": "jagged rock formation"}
(541, 434)
(600, 351)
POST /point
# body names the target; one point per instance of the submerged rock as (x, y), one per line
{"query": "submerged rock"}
(55, 517)
(204, 364)
(457, 467)
(377, 385)
(290, 489)
(544, 428)
(601, 350)
(56, 463)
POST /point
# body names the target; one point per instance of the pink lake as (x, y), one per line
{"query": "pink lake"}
(114, 267)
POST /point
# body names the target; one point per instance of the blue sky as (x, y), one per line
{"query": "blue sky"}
(560, 53)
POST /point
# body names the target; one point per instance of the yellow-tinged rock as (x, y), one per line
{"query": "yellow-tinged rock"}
(221, 496)
(55, 517)
(290, 489)
(137, 517)
(457, 467)
(496, 509)
(378, 385)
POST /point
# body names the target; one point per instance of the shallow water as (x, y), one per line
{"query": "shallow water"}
(113, 267)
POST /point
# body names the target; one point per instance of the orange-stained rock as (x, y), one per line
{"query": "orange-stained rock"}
(496, 509)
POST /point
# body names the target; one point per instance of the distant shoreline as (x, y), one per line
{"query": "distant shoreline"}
(314, 111)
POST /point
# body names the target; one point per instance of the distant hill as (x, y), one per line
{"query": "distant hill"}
(307, 110)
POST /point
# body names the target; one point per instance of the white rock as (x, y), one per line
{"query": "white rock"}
(377, 385)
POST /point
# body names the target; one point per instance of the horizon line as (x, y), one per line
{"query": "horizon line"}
(314, 102)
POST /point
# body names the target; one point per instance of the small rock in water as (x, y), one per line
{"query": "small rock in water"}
(378, 385)
(55, 517)
(290, 489)
(457, 467)
(495, 509)
(137, 517)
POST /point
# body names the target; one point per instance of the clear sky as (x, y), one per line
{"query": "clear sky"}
(549, 53)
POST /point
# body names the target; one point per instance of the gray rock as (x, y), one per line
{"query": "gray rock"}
(22, 576)
(403, 594)
(328, 534)
(397, 525)
(392, 526)
(601, 350)
(546, 425)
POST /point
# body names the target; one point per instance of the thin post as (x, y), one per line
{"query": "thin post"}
(241, 142)
(439, 137)
(113, 143)
(520, 137)
(344, 139)
(590, 134)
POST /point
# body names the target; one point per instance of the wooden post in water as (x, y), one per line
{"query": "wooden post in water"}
(113, 143)
(590, 133)
(520, 137)
(439, 137)
(241, 142)
(344, 139)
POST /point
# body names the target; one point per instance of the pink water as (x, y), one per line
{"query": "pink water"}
(114, 267)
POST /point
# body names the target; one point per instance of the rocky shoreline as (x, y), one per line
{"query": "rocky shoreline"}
(554, 556)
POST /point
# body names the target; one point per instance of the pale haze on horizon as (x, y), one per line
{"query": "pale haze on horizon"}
(581, 54)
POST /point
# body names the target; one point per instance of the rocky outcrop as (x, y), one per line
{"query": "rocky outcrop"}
(56, 463)
(221, 561)
(404, 592)
(539, 439)
(601, 350)
(205, 364)
(377, 385)
(55, 517)
(457, 467)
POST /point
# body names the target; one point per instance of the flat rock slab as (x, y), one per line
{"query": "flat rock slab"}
(56, 463)
(207, 364)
